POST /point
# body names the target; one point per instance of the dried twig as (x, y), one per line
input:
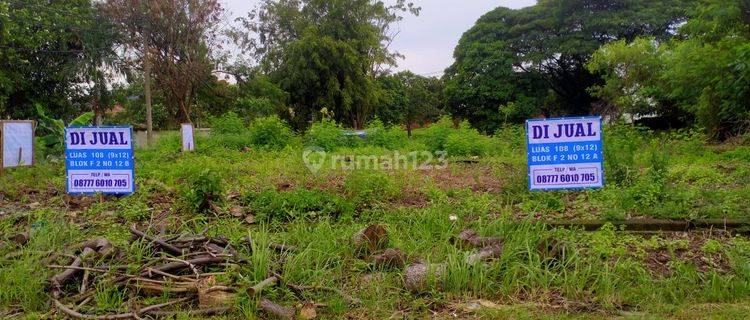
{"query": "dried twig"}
(61, 278)
(277, 310)
(192, 266)
(172, 249)
(75, 314)
(256, 289)
(199, 261)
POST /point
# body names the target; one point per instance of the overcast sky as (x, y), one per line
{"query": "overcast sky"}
(427, 40)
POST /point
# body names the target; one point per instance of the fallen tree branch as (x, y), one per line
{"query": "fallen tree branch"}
(75, 314)
(192, 313)
(256, 289)
(277, 310)
(199, 261)
(61, 278)
(172, 249)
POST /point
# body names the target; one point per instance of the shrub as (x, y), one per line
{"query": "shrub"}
(378, 135)
(270, 132)
(272, 205)
(327, 135)
(229, 123)
(201, 190)
(436, 134)
(466, 141)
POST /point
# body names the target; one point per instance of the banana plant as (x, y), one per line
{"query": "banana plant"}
(56, 127)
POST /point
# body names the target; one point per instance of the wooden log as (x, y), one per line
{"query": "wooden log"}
(277, 310)
(256, 289)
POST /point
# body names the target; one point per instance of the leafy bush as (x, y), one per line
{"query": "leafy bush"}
(378, 135)
(327, 135)
(272, 205)
(436, 134)
(466, 141)
(270, 132)
(201, 189)
(229, 123)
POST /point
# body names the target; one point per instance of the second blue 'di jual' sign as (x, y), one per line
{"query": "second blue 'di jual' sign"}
(99, 160)
(565, 153)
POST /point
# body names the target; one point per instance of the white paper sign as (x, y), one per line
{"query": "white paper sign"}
(18, 144)
(188, 139)
(99, 159)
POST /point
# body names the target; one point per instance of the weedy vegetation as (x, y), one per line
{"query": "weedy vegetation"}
(249, 180)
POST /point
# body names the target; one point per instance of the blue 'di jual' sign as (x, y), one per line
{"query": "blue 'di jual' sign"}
(565, 153)
(99, 160)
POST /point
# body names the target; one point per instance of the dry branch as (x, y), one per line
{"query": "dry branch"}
(171, 248)
(256, 289)
(277, 310)
(176, 265)
(61, 278)
(146, 310)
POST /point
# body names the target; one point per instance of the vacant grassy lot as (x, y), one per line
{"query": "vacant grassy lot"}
(254, 182)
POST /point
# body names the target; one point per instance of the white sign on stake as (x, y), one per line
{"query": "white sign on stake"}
(17, 142)
(188, 137)
(99, 159)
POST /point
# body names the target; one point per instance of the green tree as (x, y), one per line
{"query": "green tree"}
(323, 53)
(49, 51)
(408, 99)
(536, 56)
(179, 37)
(702, 74)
